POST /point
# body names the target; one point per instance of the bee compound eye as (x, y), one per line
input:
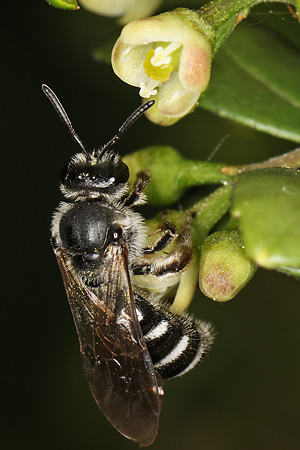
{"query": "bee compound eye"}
(120, 173)
(114, 233)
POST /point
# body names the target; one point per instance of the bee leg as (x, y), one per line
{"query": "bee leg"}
(171, 262)
(166, 264)
(136, 197)
(168, 234)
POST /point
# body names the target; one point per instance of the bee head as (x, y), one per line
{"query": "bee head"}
(94, 176)
(102, 172)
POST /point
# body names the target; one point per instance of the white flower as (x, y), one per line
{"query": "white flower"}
(169, 59)
(128, 10)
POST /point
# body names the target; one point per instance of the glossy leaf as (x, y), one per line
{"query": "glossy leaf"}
(266, 204)
(64, 4)
(255, 81)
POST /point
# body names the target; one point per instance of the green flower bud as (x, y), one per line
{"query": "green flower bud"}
(168, 57)
(192, 226)
(225, 267)
(64, 4)
(171, 174)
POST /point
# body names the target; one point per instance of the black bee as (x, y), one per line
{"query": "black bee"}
(128, 340)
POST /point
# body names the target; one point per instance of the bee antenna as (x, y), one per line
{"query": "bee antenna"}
(63, 115)
(127, 124)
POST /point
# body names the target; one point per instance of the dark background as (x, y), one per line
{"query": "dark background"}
(246, 394)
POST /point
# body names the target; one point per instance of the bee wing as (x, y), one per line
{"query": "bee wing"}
(115, 357)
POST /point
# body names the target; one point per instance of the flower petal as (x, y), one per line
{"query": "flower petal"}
(194, 70)
(129, 9)
(174, 100)
(127, 62)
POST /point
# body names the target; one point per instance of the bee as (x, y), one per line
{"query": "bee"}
(129, 341)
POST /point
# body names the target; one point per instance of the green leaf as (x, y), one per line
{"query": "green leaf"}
(64, 4)
(223, 16)
(266, 204)
(255, 81)
(290, 271)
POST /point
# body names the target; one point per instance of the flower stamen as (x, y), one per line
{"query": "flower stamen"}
(147, 90)
(161, 55)
(160, 58)
(158, 62)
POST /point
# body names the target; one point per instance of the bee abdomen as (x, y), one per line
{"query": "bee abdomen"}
(176, 343)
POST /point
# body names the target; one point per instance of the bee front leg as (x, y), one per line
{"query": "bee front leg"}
(137, 197)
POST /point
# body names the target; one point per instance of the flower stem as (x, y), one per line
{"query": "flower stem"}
(224, 15)
(289, 159)
(207, 212)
